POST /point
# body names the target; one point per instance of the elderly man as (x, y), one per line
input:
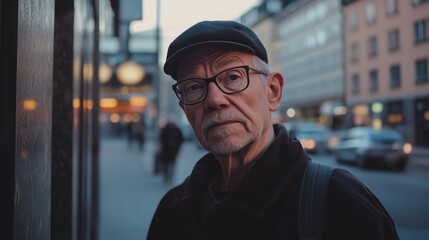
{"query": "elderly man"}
(248, 185)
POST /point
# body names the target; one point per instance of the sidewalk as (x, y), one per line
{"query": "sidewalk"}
(129, 191)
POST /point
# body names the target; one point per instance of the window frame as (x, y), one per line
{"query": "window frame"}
(394, 39)
(421, 68)
(421, 31)
(372, 46)
(373, 81)
(355, 84)
(395, 76)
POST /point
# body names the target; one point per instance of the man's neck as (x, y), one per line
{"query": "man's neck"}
(235, 165)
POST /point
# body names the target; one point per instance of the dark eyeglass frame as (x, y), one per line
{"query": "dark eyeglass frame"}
(213, 80)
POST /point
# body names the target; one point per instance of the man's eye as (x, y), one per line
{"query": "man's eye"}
(233, 77)
(193, 87)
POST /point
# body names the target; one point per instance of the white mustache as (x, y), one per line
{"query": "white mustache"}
(219, 118)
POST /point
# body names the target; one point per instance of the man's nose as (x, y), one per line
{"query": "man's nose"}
(215, 97)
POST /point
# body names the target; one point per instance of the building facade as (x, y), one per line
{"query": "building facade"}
(310, 55)
(386, 65)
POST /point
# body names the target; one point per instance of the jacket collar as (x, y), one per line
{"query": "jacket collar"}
(278, 169)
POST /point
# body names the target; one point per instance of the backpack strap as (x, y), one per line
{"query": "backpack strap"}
(312, 200)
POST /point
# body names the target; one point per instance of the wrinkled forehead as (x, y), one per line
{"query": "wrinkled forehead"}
(211, 58)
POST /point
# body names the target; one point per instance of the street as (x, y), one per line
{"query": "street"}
(130, 192)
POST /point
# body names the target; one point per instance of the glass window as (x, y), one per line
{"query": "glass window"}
(373, 81)
(371, 13)
(354, 51)
(391, 7)
(394, 39)
(355, 84)
(420, 31)
(416, 2)
(353, 20)
(395, 76)
(372, 46)
(421, 71)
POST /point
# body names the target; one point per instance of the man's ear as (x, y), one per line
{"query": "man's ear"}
(275, 90)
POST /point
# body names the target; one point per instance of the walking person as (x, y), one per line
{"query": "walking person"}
(248, 185)
(171, 141)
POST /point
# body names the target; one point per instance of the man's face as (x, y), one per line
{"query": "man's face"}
(227, 123)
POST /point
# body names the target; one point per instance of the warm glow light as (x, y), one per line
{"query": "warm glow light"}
(104, 72)
(138, 101)
(407, 148)
(76, 103)
(115, 118)
(30, 104)
(89, 104)
(394, 118)
(377, 124)
(108, 102)
(308, 144)
(130, 73)
(340, 110)
(426, 116)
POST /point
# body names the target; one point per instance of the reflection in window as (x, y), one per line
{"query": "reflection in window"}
(371, 14)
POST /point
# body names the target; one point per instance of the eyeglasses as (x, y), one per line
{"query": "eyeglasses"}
(232, 80)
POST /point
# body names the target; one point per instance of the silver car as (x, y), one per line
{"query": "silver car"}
(366, 146)
(314, 137)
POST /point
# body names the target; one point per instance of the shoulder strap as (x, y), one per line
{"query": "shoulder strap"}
(312, 200)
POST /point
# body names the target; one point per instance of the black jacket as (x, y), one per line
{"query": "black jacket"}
(264, 204)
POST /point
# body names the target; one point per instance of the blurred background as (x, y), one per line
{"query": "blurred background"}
(84, 103)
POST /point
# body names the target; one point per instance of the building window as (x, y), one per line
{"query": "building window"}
(391, 7)
(353, 20)
(354, 53)
(372, 46)
(420, 31)
(371, 13)
(417, 2)
(421, 71)
(355, 84)
(394, 40)
(373, 81)
(395, 76)
(395, 113)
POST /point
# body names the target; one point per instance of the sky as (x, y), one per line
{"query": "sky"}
(177, 15)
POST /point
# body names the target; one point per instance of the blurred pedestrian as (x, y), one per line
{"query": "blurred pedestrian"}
(171, 141)
(248, 185)
(136, 133)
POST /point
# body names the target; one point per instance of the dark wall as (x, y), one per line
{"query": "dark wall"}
(62, 122)
(9, 22)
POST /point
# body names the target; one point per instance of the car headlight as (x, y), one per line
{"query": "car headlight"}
(308, 143)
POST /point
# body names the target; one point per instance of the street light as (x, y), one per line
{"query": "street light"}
(130, 73)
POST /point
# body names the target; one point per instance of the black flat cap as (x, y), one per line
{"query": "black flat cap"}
(219, 33)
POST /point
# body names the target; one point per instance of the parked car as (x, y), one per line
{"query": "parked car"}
(314, 137)
(366, 146)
